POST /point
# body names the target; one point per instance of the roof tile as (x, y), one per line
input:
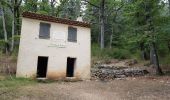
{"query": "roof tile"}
(54, 19)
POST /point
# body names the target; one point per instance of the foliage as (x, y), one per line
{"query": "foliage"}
(71, 9)
(110, 53)
(131, 26)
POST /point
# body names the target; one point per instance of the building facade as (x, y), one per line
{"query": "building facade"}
(53, 48)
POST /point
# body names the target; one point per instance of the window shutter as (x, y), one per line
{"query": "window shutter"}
(44, 30)
(72, 34)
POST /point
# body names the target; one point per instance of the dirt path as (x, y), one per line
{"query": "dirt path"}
(129, 89)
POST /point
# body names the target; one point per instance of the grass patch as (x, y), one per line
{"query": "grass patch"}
(9, 86)
(15, 82)
(12, 83)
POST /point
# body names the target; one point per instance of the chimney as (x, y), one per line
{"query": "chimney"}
(80, 19)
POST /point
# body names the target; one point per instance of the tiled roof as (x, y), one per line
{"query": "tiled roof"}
(54, 19)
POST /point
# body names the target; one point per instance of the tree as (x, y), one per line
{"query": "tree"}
(44, 7)
(71, 9)
(169, 5)
(102, 18)
(14, 6)
(105, 15)
(4, 28)
(31, 5)
(145, 15)
(101, 7)
(52, 4)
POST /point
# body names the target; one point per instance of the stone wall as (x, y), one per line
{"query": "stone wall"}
(107, 72)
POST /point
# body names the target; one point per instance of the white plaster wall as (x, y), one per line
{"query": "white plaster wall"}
(31, 47)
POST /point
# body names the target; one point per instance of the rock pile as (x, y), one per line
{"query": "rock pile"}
(108, 72)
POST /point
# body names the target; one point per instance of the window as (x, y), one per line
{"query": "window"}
(44, 32)
(72, 34)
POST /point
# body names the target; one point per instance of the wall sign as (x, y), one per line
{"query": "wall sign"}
(58, 40)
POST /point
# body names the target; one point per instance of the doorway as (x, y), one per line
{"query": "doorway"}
(42, 67)
(70, 67)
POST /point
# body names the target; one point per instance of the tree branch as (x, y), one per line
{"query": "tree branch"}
(6, 3)
(91, 4)
(116, 10)
(19, 3)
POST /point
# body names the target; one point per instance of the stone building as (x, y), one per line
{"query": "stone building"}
(54, 48)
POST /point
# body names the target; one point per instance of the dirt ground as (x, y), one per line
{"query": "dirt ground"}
(142, 88)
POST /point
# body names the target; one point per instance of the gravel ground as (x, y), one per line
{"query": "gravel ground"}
(143, 88)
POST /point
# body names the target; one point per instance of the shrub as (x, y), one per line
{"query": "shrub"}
(120, 53)
(109, 53)
(2, 45)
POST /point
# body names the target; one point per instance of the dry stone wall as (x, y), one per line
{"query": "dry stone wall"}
(107, 72)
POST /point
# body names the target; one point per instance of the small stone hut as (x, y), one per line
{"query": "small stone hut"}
(53, 48)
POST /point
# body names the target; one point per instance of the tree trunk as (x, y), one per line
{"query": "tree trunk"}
(155, 59)
(151, 56)
(35, 5)
(17, 22)
(12, 41)
(16, 11)
(151, 31)
(13, 32)
(52, 7)
(26, 1)
(4, 29)
(102, 23)
(169, 5)
(144, 53)
(168, 44)
(15, 4)
(111, 40)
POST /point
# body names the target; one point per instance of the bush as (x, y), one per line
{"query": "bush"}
(165, 60)
(119, 53)
(2, 45)
(109, 53)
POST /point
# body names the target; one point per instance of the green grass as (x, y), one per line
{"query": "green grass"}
(12, 83)
(15, 82)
